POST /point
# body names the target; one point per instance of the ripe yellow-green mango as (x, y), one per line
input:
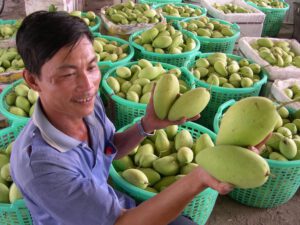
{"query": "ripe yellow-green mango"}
(167, 166)
(188, 168)
(17, 111)
(287, 147)
(265, 42)
(146, 148)
(136, 177)
(165, 94)
(162, 143)
(171, 131)
(146, 160)
(277, 156)
(243, 118)
(235, 165)
(274, 140)
(219, 56)
(221, 68)
(23, 103)
(10, 98)
(123, 163)
(5, 172)
(185, 155)
(203, 142)
(149, 35)
(14, 193)
(32, 96)
(164, 182)
(21, 90)
(190, 104)
(183, 139)
(4, 193)
(132, 96)
(151, 72)
(123, 72)
(145, 98)
(113, 84)
(151, 189)
(162, 42)
(143, 63)
(152, 175)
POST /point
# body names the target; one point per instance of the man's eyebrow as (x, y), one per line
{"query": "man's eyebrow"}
(65, 66)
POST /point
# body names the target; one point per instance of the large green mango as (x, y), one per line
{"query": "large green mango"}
(247, 122)
(235, 165)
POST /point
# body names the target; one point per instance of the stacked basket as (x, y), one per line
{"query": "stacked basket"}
(15, 213)
(199, 209)
(281, 186)
(273, 20)
(174, 59)
(225, 44)
(219, 95)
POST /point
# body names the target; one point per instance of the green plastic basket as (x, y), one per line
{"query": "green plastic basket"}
(16, 213)
(174, 59)
(281, 185)
(219, 95)
(104, 66)
(122, 111)
(175, 18)
(151, 2)
(225, 45)
(96, 27)
(273, 20)
(199, 209)
(4, 107)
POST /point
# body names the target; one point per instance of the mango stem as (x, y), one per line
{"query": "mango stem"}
(286, 103)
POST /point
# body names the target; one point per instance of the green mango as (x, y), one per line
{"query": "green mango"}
(234, 165)
(245, 116)
(136, 177)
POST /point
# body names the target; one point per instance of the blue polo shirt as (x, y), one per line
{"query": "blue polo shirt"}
(64, 180)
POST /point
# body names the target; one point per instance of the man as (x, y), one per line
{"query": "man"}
(61, 159)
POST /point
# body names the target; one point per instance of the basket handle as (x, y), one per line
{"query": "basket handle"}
(185, 70)
(236, 27)
(219, 113)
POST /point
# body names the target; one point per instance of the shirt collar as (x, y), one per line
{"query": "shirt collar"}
(54, 137)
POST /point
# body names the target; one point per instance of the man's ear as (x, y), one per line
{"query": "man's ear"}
(31, 80)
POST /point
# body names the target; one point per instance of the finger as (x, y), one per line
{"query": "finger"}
(258, 146)
(194, 118)
(222, 188)
(254, 149)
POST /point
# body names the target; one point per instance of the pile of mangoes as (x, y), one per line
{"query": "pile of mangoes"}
(162, 159)
(10, 60)
(21, 100)
(284, 143)
(269, 3)
(9, 30)
(277, 53)
(219, 70)
(292, 92)
(206, 27)
(135, 83)
(165, 39)
(131, 13)
(231, 8)
(8, 190)
(89, 17)
(180, 11)
(107, 50)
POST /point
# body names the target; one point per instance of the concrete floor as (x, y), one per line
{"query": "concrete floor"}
(226, 210)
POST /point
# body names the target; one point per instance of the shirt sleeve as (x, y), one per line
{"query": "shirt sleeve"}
(71, 198)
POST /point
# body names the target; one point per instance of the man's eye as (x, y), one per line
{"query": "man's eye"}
(68, 75)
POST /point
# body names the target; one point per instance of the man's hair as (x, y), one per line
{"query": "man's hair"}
(42, 34)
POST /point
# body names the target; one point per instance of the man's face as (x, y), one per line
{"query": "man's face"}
(69, 81)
